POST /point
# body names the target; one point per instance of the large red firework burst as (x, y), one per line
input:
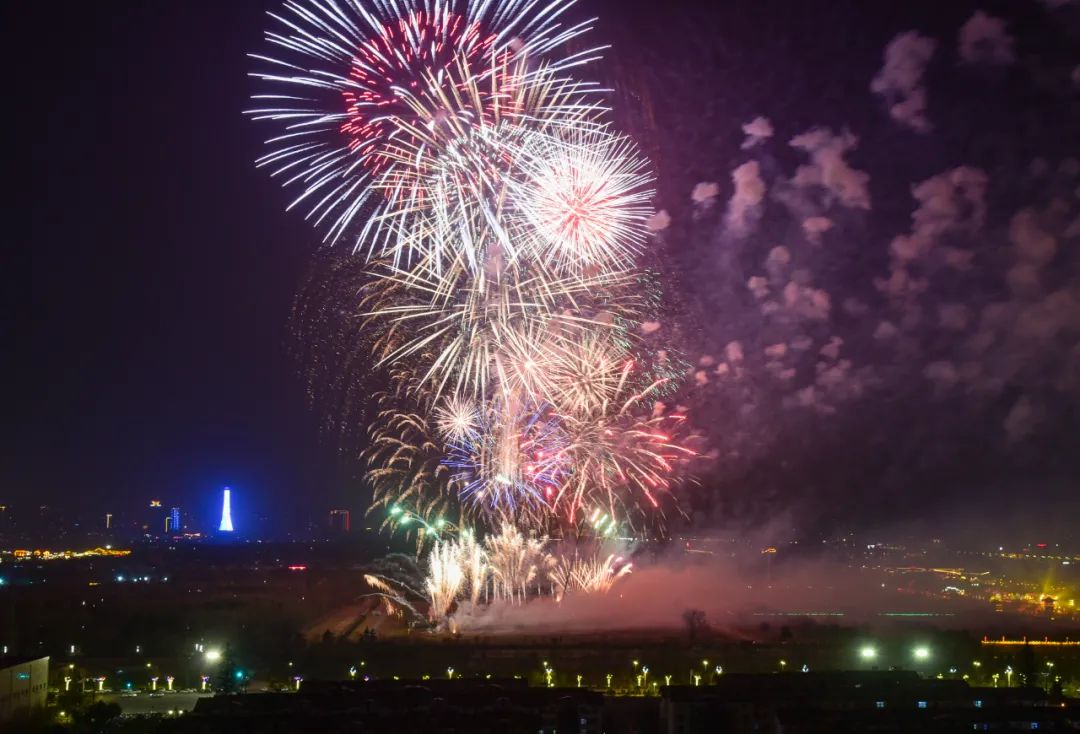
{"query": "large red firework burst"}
(394, 66)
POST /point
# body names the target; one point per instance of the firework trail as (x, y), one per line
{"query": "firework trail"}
(405, 460)
(397, 581)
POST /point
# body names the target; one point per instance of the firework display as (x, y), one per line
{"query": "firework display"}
(499, 218)
(357, 85)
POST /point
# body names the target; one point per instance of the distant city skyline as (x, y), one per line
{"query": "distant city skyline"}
(159, 517)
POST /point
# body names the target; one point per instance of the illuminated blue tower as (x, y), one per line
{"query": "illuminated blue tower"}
(226, 514)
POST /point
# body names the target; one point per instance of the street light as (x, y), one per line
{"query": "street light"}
(868, 652)
(922, 652)
(1008, 676)
(212, 656)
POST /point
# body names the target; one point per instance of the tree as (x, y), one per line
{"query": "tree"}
(1026, 667)
(96, 717)
(695, 622)
(231, 678)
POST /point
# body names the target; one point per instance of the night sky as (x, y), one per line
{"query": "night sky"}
(149, 356)
(149, 302)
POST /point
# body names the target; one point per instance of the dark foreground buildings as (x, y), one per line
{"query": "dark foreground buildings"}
(790, 703)
(505, 706)
(884, 702)
(24, 684)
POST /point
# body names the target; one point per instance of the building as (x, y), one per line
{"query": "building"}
(172, 521)
(24, 684)
(226, 525)
(339, 521)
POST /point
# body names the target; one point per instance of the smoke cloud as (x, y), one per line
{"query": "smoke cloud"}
(900, 81)
(744, 207)
(984, 40)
